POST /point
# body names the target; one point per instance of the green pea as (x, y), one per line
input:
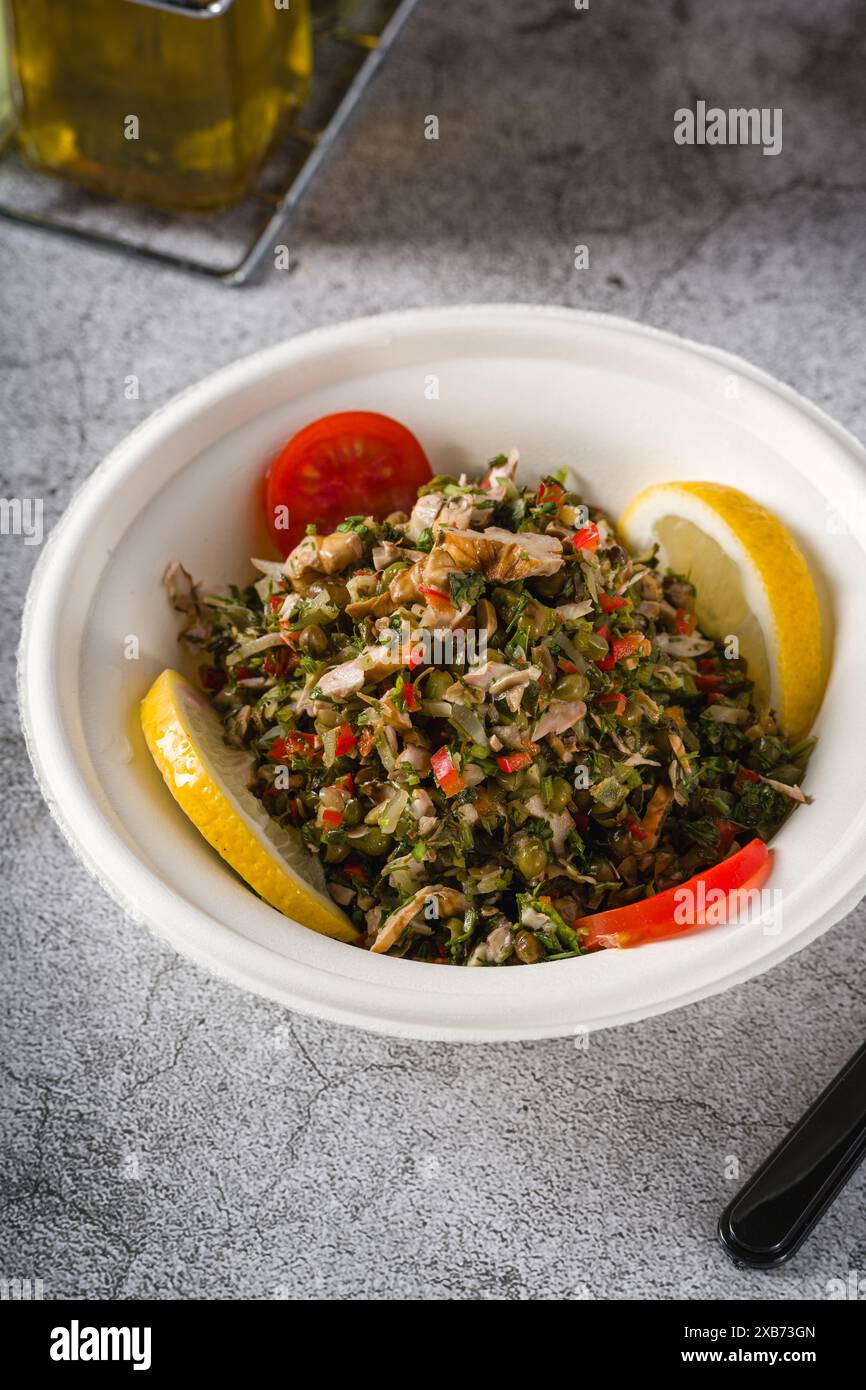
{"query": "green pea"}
(527, 947)
(504, 601)
(590, 644)
(336, 849)
(602, 870)
(537, 618)
(573, 687)
(436, 684)
(388, 574)
(328, 718)
(560, 795)
(373, 841)
(551, 585)
(530, 856)
(632, 714)
(313, 640)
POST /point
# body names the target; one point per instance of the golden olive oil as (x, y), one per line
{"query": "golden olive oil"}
(161, 105)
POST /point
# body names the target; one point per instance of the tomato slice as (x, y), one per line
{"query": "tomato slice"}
(656, 919)
(356, 463)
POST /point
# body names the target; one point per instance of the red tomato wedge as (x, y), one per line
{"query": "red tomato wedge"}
(658, 918)
(356, 463)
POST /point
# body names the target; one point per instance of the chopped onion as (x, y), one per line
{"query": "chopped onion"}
(272, 568)
(254, 645)
(568, 612)
(727, 714)
(393, 811)
(566, 645)
(467, 721)
(436, 709)
(384, 749)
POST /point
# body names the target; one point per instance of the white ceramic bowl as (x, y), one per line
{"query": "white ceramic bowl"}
(627, 406)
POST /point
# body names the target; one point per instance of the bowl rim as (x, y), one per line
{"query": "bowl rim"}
(206, 941)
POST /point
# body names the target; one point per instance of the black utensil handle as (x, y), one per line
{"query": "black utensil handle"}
(771, 1216)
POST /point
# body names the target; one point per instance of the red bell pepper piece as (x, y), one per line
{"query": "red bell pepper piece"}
(609, 603)
(446, 774)
(621, 647)
(346, 740)
(613, 701)
(332, 818)
(513, 762)
(587, 538)
(549, 492)
(294, 742)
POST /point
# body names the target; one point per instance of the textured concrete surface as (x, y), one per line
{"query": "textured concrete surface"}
(165, 1135)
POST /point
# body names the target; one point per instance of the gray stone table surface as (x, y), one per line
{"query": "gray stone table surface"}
(165, 1135)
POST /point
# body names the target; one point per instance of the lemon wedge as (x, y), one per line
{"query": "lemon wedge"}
(210, 782)
(752, 583)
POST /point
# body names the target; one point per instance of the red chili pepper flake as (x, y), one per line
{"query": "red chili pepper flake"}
(685, 623)
(711, 681)
(728, 832)
(411, 697)
(744, 774)
(211, 678)
(635, 830)
(437, 599)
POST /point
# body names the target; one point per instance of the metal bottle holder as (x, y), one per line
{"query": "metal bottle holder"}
(229, 245)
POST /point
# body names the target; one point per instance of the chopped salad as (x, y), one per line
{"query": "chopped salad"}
(488, 719)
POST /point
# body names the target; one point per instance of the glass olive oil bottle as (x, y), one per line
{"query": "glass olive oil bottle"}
(169, 102)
